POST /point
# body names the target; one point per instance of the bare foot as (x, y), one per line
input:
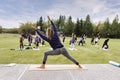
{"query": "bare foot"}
(80, 66)
(42, 66)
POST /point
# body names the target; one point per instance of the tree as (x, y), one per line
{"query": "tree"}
(26, 28)
(61, 23)
(40, 23)
(87, 28)
(10, 30)
(78, 27)
(0, 29)
(69, 26)
(106, 29)
(97, 29)
(119, 30)
(81, 27)
(115, 28)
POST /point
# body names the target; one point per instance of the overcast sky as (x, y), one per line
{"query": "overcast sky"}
(14, 12)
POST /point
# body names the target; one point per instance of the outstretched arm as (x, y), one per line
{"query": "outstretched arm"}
(40, 34)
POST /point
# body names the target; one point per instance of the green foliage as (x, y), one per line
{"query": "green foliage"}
(26, 28)
(87, 28)
(115, 31)
(12, 30)
(60, 23)
(40, 23)
(69, 27)
(0, 29)
(96, 29)
(78, 27)
(106, 29)
(112, 29)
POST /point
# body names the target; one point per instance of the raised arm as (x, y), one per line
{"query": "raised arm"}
(52, 25)
(48, 18)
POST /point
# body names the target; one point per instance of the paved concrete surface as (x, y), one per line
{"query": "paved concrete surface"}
(94, 72)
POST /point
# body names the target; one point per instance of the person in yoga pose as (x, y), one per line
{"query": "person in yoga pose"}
(52, 38)
(105, 44)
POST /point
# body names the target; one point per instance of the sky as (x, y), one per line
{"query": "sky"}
(14, 12)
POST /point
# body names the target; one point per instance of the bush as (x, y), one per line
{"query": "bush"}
(26, 28)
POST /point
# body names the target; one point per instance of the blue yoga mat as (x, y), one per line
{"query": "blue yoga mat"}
(114, 63)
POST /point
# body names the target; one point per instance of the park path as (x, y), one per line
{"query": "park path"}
(94, 72)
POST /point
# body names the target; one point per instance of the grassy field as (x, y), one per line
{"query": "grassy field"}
(88, 54)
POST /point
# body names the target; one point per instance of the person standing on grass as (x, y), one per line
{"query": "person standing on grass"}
(81, 41)
(53, 39)
(92, 39)
(29, 40)
(63, 38)
(73, 40)
(21, 42)
(37, 40)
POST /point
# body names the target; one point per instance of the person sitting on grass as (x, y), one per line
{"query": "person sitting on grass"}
(52, 38)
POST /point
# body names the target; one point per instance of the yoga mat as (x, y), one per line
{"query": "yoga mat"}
(73, 49)
(114, 63)
(11, 65)
(56, 67)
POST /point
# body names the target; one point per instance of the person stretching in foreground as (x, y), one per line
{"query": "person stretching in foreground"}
(53, 39)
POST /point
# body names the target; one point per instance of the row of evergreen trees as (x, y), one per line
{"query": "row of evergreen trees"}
(67, 26)
(80, 27)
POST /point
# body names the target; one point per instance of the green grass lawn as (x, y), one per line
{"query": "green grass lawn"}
(88, 54)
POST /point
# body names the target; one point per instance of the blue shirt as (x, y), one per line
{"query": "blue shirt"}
(55, 41)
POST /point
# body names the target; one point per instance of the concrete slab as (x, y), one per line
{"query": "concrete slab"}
(12, 72)
(94, 72)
